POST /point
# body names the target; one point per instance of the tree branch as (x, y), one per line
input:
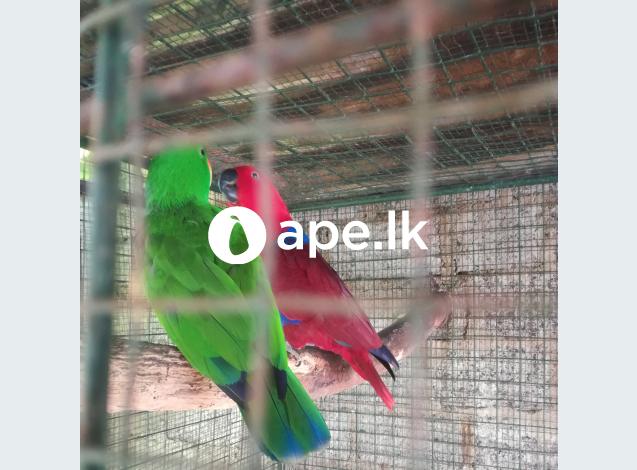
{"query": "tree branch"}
(163, 379)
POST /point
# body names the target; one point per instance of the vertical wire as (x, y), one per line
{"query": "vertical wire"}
(110, 126)
(135, 23)
(419, 38)
(497, 260)
(520, 308)
(263, 155)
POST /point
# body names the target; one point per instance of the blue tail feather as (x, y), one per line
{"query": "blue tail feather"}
(292, 425)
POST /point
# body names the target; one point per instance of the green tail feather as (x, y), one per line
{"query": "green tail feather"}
(292, 426)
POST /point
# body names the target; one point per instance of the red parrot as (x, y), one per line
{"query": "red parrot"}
(350, 335)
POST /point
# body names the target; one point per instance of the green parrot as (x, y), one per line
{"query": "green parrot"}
(180, 263)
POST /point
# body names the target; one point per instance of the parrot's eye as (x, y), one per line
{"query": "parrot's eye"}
(202, 152)
(255, 175)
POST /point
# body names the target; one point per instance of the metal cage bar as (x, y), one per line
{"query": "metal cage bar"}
(111, 127)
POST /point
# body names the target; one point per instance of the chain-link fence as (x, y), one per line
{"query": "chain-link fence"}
(345, 146)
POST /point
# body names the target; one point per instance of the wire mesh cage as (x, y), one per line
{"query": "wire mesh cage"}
(357, 108)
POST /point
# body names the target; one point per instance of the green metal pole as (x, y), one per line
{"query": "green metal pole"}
(111, 74)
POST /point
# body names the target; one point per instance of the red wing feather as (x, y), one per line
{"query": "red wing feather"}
(297, 273)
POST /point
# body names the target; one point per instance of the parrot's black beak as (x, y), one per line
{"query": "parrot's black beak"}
(228, 184)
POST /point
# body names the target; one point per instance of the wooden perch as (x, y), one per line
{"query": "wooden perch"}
(163, 379)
